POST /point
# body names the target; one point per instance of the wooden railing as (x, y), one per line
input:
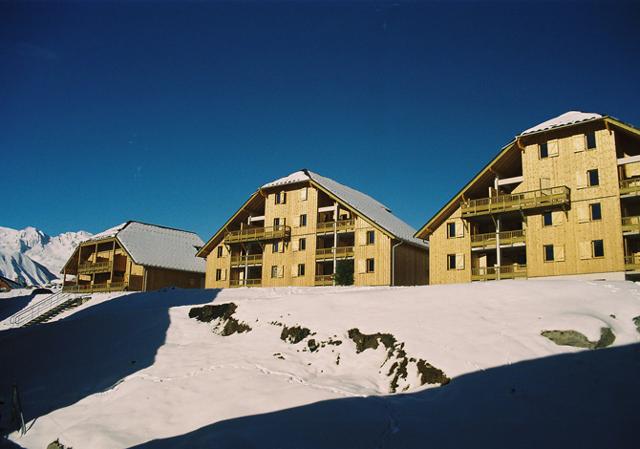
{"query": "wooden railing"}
(506, 238)
(95, 267)
(251, 259)
(553, 196)
(632, 263)
(245, 282)
(95, 288)
(324, 279)
(256, 234)
(630, 224)
(341, 225)
(504, 272)
(342, 252)
(630, 186)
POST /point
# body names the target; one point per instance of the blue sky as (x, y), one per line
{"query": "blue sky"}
(175, 112)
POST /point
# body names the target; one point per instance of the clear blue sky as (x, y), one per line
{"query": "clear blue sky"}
(173, 113)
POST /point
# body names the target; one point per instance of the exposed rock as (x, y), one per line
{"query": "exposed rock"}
(223, 312)
(579, 340)
(294, 334)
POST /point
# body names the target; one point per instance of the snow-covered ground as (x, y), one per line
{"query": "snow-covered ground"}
(35, 256)
(137, 371)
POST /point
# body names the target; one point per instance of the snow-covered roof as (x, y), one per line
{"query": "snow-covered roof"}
(157, 246)
(568, 118)
(362, 204)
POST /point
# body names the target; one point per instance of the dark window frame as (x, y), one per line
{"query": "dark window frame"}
(548, 253)
(543, 150)
(544, 219)
(597, 246)
(590, 140)
(595, 207)
(371, 265)
(451, 257)
(593, 177)
(371, 237)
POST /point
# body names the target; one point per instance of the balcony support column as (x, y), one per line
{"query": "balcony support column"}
(335, 241)
(496, 183)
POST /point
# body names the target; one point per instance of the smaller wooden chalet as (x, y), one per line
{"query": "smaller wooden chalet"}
(135, 256)
(7, 284)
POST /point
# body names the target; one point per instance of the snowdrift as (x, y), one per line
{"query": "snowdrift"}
(316, 367)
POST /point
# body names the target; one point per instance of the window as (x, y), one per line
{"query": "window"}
(598, 248)
(220, 249)
(281, 197)
(593, 178)
(371, 266)
(302, 244)
(300, 269)
(547, 219)
(276, 223)
(548, 253)
(544, 150)
(596, 211)
(451, 261)
(274, 271)
(451, 230)
(591, 140)
(303, 220)
(371, 237)
(275, 247)
(218, 274)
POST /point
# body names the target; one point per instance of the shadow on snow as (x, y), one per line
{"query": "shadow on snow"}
(9, 306)
(60, 363)
(587, 399)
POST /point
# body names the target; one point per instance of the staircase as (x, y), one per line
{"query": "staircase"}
(48, 308)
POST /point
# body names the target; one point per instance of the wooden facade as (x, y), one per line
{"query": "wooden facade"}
(560, 202)
(105, 265)
(297, 234)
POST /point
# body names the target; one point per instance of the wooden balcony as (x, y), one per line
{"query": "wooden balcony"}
(342, 252)
(323, 279)
(340, 225)
(630, 186)
(258, 234)
(507, 238)
(95, 288)
(249, 260)
(494, 273)
(631, 225)
(534, 199)
(632, 263)
(245, 282)
(95, 267)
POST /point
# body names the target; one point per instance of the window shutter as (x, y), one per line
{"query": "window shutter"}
(581, 179)
(578, 143)
(281, 271)
(294, 271)
(545, 183)
(583, 213)
(296, 244)
(362, 237)
(553, 148)
(459, 228)
(585, 250)
(460, 261)
(223, 275)
(304, 194)
(284, 197)
(557, 217)
(558, 252)
(362, 266)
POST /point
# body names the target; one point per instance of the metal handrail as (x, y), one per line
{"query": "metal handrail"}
(39, 308)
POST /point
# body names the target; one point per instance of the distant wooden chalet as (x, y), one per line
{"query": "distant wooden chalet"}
(561, 199)
(298, 229)
(7, 284)
(135, 256)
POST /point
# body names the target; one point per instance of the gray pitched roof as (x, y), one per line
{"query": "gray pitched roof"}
(568, 118)
(363, 204)
(158, 246)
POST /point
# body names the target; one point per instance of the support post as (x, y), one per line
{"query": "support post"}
(498, 253)
(335, 241)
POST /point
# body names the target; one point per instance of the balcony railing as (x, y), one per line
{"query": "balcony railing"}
(323, 279)
(257, 234)
(95, 288)
(630, 186)
(489, 240)
(245, 282)
(95, 267)
(554, 196)
(251, 259)
(503, 272)
(342, 252)
(631, 224)
(632, 263)
(341, 226)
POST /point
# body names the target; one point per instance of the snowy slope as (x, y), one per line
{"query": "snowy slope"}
(34, 255)
(138, 371)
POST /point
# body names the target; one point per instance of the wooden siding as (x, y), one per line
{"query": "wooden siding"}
(411, 266)
(158, 278)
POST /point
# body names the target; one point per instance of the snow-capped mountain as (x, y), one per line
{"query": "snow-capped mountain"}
(34, 256)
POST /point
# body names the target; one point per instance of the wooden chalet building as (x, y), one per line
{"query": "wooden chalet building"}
(135, 256)
(561, 199)
(297, 229)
